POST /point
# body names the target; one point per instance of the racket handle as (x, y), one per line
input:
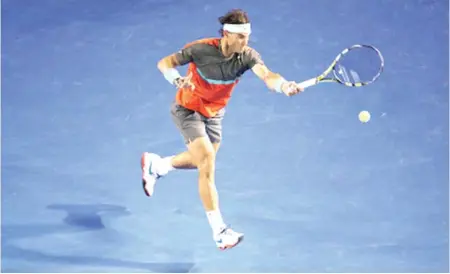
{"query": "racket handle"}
(308, 83)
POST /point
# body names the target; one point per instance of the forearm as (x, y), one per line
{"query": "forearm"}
(274, 81)
(167, 67)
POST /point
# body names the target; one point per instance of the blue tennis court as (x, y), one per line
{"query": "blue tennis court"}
(312, 188)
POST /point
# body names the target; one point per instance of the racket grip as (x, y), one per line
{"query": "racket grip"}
(307, 83)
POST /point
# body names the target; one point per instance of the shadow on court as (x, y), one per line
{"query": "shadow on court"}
(79, 218)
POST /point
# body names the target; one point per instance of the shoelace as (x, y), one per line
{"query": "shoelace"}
(153, 173)
(227, 231)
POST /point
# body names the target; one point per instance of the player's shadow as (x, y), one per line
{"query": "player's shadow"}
(89, 216)
(79, 218)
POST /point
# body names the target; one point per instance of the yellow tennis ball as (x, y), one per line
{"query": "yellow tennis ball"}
(364, 116)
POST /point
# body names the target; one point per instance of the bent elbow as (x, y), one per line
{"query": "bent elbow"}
(167, 62)
(161, 64)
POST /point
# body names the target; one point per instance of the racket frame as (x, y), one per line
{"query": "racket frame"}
(322, 77)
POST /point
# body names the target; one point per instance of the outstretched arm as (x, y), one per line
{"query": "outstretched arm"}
(275, 81)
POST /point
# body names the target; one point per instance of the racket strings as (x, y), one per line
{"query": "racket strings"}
(360, 65)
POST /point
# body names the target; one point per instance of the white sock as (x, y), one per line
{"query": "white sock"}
(165, 165)
(215, 221)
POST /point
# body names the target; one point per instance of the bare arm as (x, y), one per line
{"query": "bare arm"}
(270, 78)
(275, 81)
(167, 67)
(168, 62)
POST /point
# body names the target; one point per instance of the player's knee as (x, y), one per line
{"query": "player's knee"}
(203, 152)
(206, 161)
(204, 155)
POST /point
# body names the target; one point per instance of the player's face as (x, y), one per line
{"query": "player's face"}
(239, 41)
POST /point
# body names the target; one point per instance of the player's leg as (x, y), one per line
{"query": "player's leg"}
(192, 125)
(184, 160)
(203, 137)
(213, 127)
(224, 238)
(204, 156)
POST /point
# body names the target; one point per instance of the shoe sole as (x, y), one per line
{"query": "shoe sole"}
(143, 181)
(240, 239)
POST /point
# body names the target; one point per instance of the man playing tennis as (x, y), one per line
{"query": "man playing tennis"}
(215, 66)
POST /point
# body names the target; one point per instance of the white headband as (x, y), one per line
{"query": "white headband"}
(238, 28)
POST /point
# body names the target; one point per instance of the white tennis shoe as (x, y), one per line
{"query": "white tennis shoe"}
(149, 174)
(228, 238)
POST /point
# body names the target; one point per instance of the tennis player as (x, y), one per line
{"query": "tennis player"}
(215, 68)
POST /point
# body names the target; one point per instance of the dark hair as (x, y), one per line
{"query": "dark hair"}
(234, 16)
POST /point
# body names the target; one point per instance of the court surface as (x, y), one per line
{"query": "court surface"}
(312, 188)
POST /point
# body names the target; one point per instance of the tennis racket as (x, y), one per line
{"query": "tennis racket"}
(355, 66)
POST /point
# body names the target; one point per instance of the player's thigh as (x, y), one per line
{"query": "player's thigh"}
(216, 147)
(214, 130)
(189, 123)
